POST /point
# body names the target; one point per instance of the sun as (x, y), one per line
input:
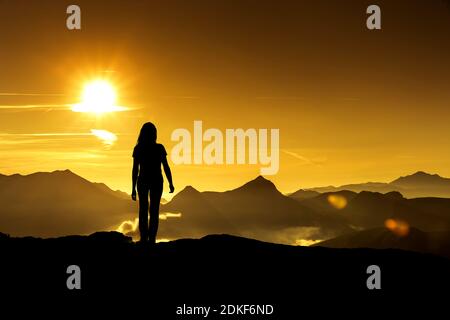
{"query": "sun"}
(98, 97)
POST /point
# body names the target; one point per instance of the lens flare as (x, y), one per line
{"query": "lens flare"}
(397, 227)
(337, 201)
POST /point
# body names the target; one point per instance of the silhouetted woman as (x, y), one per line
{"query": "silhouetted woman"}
(147, 159)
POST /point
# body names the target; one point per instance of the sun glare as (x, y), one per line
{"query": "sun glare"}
(98, 97)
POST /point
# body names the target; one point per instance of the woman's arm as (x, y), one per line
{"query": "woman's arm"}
(134, 175)
(168, 173)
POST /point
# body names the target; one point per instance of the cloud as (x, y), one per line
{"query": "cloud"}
(108, 138)
(280, 98)
(21, 94)
(130, 228)
(173, 226)
(52, 134)
(306, 242)
(167, 215)
(317, 162)
(34, 138)
(303, 236)
(25, 107)
(182, 97)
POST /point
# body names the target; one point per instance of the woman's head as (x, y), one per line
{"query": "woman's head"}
(147, 134)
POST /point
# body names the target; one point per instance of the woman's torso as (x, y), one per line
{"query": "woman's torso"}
(150, 158)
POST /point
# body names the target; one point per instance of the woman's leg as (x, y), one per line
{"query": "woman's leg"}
(143, 213)
(155, 199)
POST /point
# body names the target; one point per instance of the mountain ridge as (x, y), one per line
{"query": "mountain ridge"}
(57, 203)
(61, 202)
(416, 185)
(420, 177)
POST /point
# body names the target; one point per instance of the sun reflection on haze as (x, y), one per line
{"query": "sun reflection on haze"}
(108, 138)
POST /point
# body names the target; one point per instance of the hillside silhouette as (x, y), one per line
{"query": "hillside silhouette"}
(216, 269)
(380, 238)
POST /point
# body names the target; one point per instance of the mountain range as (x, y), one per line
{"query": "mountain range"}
(419, 184)
(258, 210)
(49, 204)
(57, 203)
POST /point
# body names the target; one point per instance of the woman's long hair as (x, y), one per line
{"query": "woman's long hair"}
(147, 136)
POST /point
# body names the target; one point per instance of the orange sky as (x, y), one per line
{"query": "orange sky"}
(352, 105)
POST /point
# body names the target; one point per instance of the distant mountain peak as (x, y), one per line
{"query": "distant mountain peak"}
(261, 179)
(65, 171)
(423, 173)
(189, 193)
(302, 194)
(55, 173)
(259, 184)
(64, 174)
(420, 177)
(188, 190)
